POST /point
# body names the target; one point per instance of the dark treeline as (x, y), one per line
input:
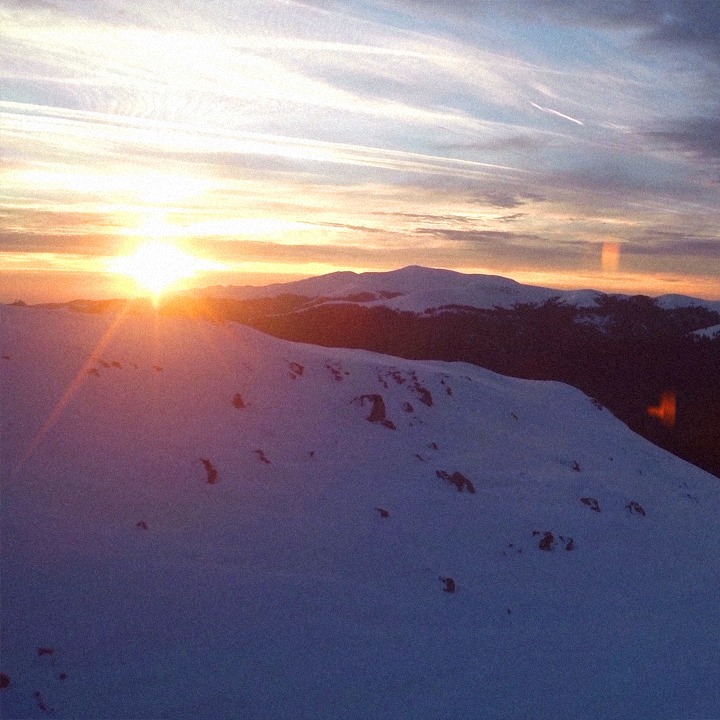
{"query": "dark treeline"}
(624, 352)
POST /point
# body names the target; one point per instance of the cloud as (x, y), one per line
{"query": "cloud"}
(613, 180)
(699, 136)
(23, 243)
(666, 244)
(357, 228)
(671, 24)
(515, 142)
(509, 252)
(430, 217)
(26, 4)
(507, 200)
(106, 133)
(337, 256)
(687, 23)
(480, 236)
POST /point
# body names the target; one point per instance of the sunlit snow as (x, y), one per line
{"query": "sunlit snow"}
(132, 587)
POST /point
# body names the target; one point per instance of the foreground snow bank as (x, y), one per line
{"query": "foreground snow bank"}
(304, 581)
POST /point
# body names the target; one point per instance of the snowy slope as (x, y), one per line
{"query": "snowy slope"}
(709, 332)
(133, 588)
(421, 288)
(671, 302)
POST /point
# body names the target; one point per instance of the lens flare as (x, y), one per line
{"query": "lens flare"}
(665, 411)
(610, 257)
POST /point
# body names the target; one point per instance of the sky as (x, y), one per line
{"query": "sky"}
(566, 143)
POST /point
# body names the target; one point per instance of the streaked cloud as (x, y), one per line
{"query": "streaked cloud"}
(698, 136)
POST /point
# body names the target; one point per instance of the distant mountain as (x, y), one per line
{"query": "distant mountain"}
(418, 289)
(626, 351)
(203, 521)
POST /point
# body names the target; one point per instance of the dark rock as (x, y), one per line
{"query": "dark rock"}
(548, 541)
(212, 473)
(592, 503)
(378, 412)
(457, 479)
(450, 586)
(635, 507)
(423, 393)
(335, 371)
(460, 482)
(41, 703)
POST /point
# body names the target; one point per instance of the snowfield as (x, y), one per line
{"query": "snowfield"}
(303, 582)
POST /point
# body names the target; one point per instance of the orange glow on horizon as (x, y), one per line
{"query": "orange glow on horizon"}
(666, 410)
(59, 277)
(627, 283)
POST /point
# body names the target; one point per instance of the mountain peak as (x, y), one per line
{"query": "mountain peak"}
(414, 287)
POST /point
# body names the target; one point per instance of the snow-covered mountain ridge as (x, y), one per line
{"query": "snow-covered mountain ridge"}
(417, 289)
(134, 588)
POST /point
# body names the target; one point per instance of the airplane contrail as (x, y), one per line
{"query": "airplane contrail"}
(559, 114)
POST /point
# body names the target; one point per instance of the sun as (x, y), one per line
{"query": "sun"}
(157, 266)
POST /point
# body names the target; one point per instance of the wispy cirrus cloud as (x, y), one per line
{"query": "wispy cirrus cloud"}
(664, 243)
(698, 136)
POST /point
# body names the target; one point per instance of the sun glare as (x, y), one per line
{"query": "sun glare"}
(157, 266)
